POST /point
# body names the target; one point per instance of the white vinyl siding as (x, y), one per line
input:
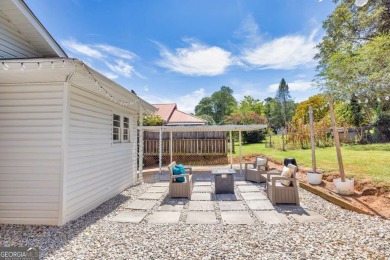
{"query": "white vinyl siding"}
(97, 168)
(30, 153)
(13, 43)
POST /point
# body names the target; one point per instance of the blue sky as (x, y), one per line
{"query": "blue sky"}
(178, 51)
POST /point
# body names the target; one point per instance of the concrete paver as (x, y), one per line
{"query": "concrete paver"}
(201, 205)
(130, 216)
(271, 217)
(161, 217)
(231, 205)
(236, 217)
(208, 217)
(151, 195)
(254, 196)
(201, 196)
(260, 205)
(141, 204)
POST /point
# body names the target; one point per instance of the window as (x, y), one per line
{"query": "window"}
(116, 128)
(126, 130)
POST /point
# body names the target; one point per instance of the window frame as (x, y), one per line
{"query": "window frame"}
(116, 127)
(126, 128)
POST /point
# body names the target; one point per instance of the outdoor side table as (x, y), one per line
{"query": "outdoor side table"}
(224, 180)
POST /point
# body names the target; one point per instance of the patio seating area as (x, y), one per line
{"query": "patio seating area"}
(143, 223)
(248, 205)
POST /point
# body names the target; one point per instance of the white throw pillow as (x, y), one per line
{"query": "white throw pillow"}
(286, 172)
(261, 162)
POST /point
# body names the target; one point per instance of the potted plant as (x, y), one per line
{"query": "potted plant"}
(313, 177)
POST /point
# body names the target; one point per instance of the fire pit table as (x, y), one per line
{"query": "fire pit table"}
(224, 180)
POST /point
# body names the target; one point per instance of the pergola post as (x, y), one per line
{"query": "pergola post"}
(160, 150)
(239, 140)
(231, 149)
(141, 143)
(170, 146)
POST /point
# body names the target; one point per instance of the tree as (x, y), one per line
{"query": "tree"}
(152, 120)
(208, 118)
(319, 105)
(220, 104)
(248, 118)
(354, 54)
(285, 106)
(251, 104)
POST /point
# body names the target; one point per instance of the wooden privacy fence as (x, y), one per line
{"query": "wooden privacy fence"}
(187, 147)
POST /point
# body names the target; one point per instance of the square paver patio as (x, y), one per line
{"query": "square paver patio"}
(157, 189)
(231, 205)
(248, 188)
(161, 217)
(130, 216)
(151, 195)
(236, 217)
(254, 196)
(201, 205)
(141, 204)
(201, 196)
(201, 189)
(201, 218)
(271, 217)
(259, 205)
(306, 216)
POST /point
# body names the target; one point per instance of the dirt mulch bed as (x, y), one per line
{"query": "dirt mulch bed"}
(372, 198)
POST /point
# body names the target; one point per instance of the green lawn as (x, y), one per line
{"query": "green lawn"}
(360, 161)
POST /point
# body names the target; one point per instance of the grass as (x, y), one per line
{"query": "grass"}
(370, 161)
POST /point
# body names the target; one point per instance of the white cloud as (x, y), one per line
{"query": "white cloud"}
(295, 86)
(121, 67)
(196, 60)
(146, 88)
(110, 75)
(106, 55)
(184, 103)
(249, 31)
(80, 48)
(287, 52)
(115, 51)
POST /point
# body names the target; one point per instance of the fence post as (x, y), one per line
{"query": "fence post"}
(170, 145)
(239, 140)
(160, 150)
(231, 150)
(313, 148)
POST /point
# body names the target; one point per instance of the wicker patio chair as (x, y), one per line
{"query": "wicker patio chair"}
(258, 173)
(277, 192)
(180, 189)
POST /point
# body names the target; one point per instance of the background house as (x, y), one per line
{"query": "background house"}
(68, 138)
(187, 147)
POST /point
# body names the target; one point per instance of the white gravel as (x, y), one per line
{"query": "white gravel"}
(345, 235)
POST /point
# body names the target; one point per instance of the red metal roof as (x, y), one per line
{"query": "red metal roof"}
(172, 116)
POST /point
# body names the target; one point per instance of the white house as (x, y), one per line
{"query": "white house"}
(68, 138)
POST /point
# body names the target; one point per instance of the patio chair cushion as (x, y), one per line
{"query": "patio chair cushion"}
(286, 172)
(261, 162)
(177, 170)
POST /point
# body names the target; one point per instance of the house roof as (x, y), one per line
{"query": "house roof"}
(165, 110)
(27, 33)
(179, 117)
(172, 116)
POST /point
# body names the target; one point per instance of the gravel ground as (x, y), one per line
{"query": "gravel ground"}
(345, 235)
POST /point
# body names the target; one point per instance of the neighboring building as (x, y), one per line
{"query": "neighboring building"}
(172, 116)
(68, 138)
(187, 147)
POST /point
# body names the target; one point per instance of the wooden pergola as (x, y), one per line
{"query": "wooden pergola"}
(200, 128)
